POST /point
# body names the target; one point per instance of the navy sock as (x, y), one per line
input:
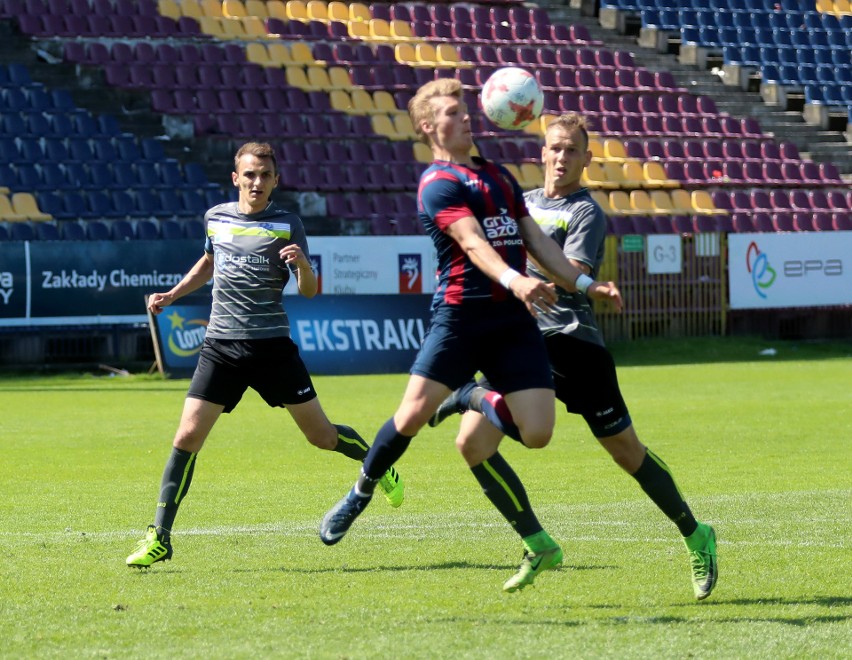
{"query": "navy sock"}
(387, 449)
(493, 406)
(656, 480)
(177, 477)
(503, 487)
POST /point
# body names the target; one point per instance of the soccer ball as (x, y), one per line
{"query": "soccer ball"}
(511, 98)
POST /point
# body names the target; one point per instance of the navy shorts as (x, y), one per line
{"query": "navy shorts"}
(586, 382)
(501, 340)
(272, 367)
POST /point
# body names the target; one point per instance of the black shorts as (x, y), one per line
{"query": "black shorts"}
(272, 367)
(501, 340)
(586, 382)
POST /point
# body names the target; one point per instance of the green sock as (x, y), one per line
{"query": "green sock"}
(350, 444)
(539, 541)
(696, 540)
(503, 487)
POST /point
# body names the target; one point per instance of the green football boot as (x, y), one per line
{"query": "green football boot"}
(393, 488)
(151, 549)
(701, 545)
(533, 564)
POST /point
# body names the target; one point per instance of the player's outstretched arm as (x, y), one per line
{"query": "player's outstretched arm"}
(546, 252)
(197, 277)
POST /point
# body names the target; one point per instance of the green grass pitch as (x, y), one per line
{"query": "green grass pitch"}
(760, 446)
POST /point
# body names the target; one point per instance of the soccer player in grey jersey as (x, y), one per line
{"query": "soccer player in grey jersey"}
(583, 369)
(252, 248)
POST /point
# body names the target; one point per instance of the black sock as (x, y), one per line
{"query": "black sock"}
(503, 487)
(350, 444)
(176, 480)
(656, 480)
(387, 449)
(493, 406)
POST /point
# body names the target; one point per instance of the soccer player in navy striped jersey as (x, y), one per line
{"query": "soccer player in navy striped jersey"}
(482, 318)
(583, 369)
(252, 248)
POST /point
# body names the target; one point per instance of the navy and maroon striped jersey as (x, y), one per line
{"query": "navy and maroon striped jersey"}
(487, 192)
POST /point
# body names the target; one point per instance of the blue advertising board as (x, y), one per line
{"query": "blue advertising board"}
(335, 334)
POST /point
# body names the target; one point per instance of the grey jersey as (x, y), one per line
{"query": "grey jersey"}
(249, 276)
(578, 224)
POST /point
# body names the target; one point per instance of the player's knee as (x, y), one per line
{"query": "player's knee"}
(536, 438)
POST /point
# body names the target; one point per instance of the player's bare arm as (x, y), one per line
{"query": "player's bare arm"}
(306, 279)
(563, 271)
(197, 277)
(530, 290)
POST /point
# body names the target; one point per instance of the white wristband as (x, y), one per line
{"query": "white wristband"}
(583, 283)
(508, 275)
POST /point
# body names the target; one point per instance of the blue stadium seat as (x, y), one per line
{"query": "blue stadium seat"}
(97, 230)
(122, 230)
(171, 229)
(47, 231)
(21, 231)
(72, 231)
(147, 230)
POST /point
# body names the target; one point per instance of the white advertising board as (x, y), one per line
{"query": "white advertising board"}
(665, 254)
(790, 269)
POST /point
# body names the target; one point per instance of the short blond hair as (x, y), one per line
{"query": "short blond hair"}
(568, 122)
(258, 150)
(420, 108)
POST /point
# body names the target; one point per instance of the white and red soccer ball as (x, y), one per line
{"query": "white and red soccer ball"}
(511, 98)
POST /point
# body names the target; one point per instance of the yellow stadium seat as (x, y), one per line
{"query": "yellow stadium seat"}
(642, 202)
(596, 147)
(169, 8)
(403, 126)
(213, 27)
(382, 125)
(359, 30)
(475, 152)
(296, 76)
(340, 101)
(25, 204)
(258, 54)
(339, 78)
(297, 10)
(257, 8)
(594, 176)
(384, 102)
(317, 10)
(447, 55)
(426, 55)
(279, 54)
(277, 9)
(702, 203)
(233, 28)
(614, 150)
(8, 213)
(422, 153)
(300, 53)
(681, 201)
(234, 9)
(842, 8)
(515, 171)
(359, 12)
(660, 201)
(211, 8)
(255, 28)
(400, 31)
(632, 173)
(655, 176)
(614, 175)
(619, 202)
(379, 30)
(191, 8)
(362, 102)
(405, 54)
(602, 199)
(338, 11)
(318, 78)
(532, 175)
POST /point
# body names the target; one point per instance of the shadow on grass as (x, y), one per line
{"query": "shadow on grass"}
(824, 601)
